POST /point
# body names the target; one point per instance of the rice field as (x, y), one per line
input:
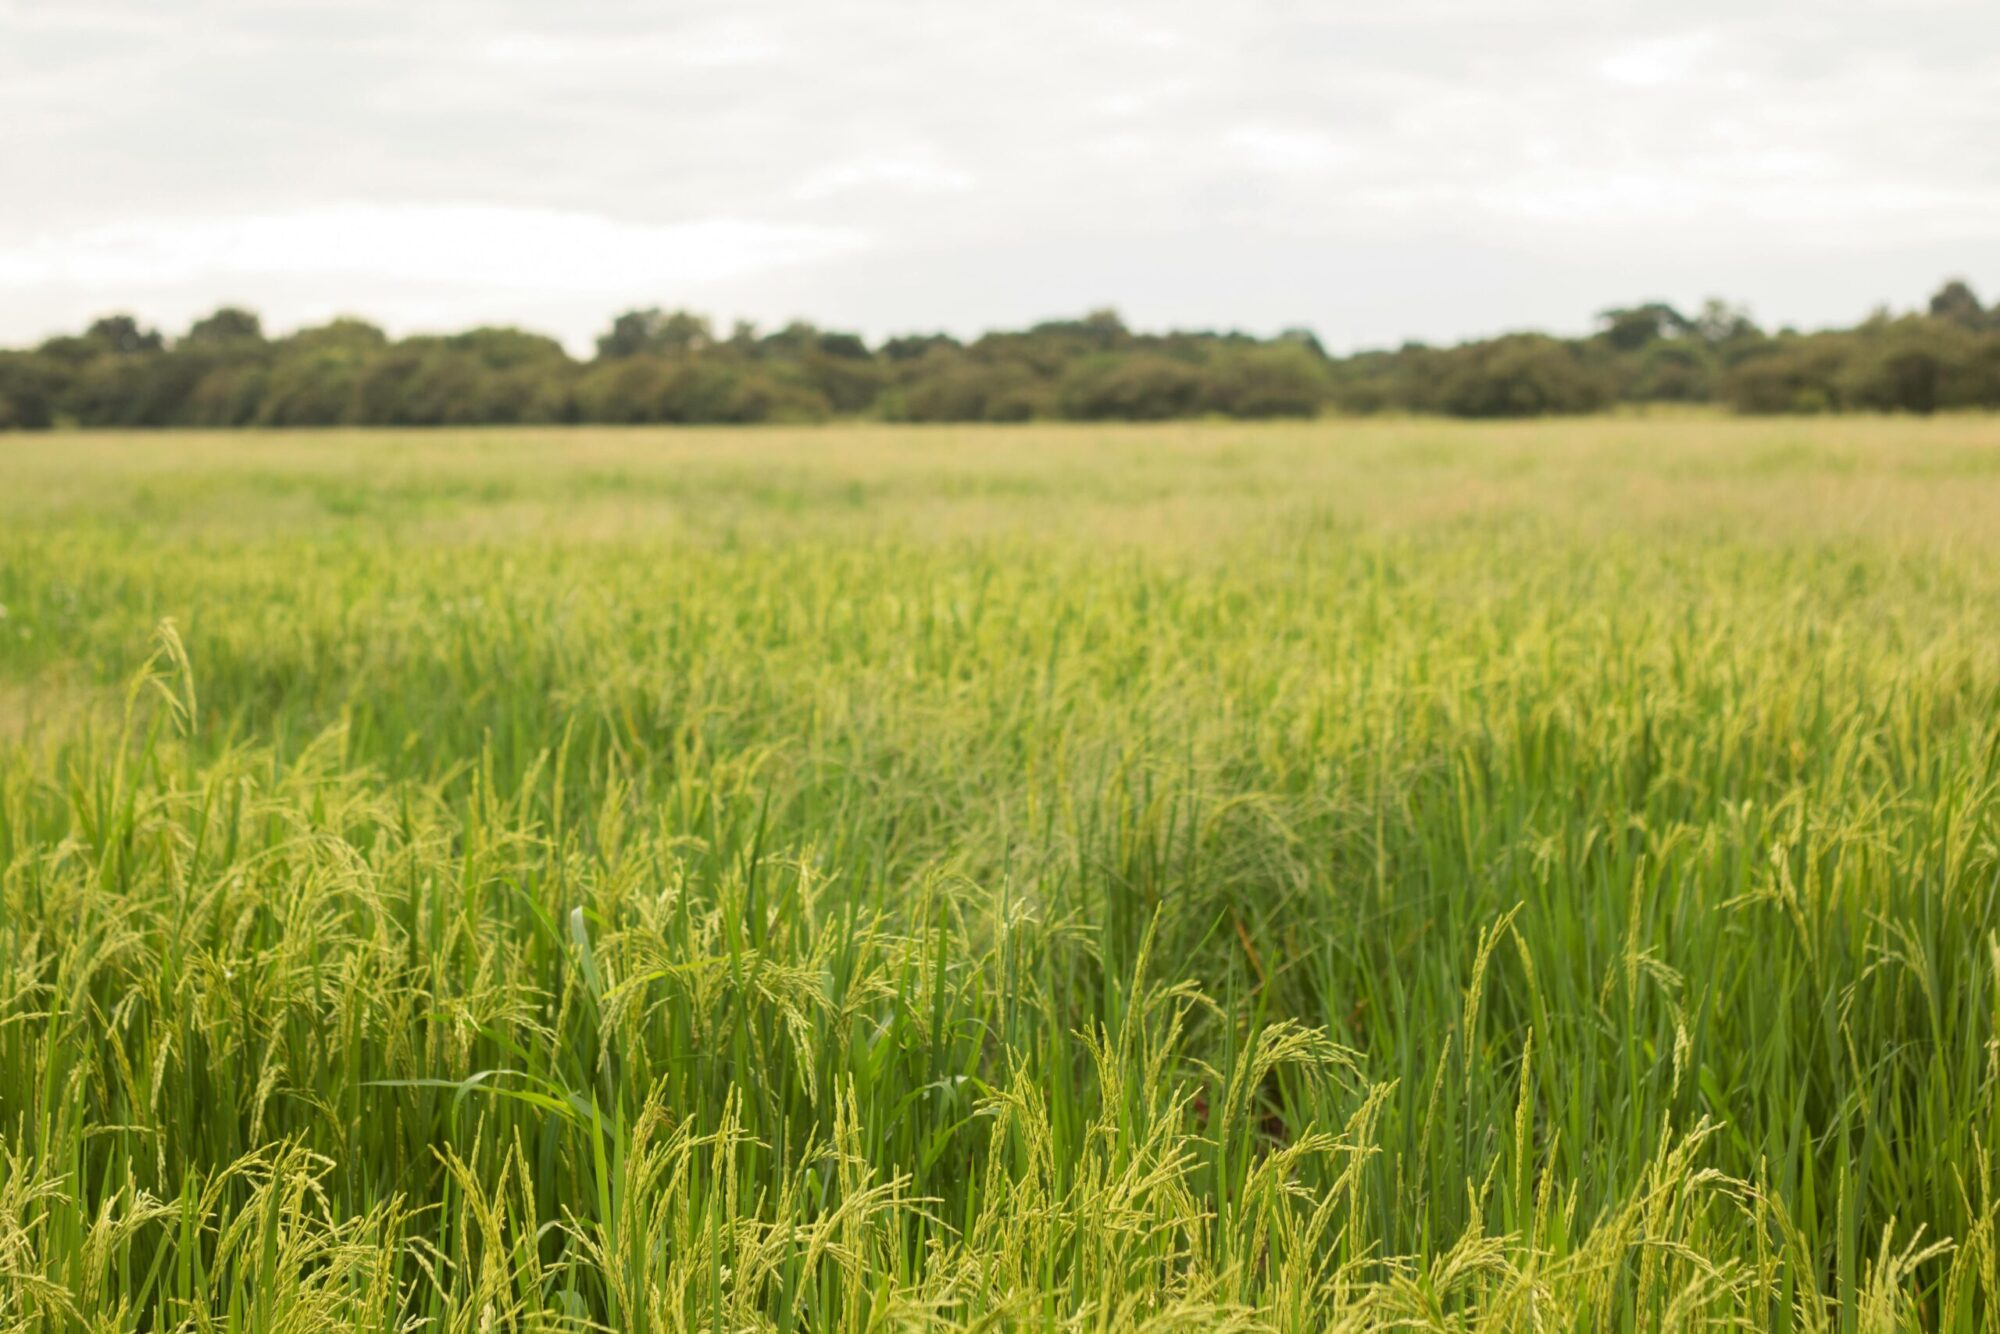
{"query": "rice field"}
(1305, 877)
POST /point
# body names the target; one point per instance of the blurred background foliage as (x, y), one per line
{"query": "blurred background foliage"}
(658, 366)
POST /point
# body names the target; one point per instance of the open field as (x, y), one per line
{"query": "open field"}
(1199, 876)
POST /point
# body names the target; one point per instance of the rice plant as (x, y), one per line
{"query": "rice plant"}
(1201, 877)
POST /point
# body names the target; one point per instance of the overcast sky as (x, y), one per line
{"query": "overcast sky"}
(1377, 171)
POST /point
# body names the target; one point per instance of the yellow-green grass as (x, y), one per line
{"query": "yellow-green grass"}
(1308, 876)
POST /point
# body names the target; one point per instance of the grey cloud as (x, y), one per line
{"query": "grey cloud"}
(1431, 169)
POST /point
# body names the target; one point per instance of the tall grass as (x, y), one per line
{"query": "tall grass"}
(1498, 879)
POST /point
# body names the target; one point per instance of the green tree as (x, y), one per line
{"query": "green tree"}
(1520, 375)
(30, 387)
(1791, 373)
(652, 330)
(122, 335)
(1629, 328)
(951, 387)
(1727, 329)
(1673, 370)
(228, 328)
(1283, 379)
(316, 371)
(1138, 386)
(1916, 364)
(1958, 303)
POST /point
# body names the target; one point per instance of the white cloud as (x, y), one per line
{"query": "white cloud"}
(895, 174)
(1421, 166)
(724, 45)
(1286, 149)
(483, 246)
(1652, 64)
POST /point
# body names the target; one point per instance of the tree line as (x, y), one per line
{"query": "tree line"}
(673, 366)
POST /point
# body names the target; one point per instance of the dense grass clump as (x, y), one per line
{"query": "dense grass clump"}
(1202, 877)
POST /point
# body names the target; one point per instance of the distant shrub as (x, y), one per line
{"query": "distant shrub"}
(663, 366)
(30, 386)
(1680, 370)
(1916, 365)
(1521, 375)
(1793, 374)
(1138, 386)
(950, 388)
(1277, 380)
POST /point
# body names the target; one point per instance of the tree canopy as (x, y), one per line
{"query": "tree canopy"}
(657, 365)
